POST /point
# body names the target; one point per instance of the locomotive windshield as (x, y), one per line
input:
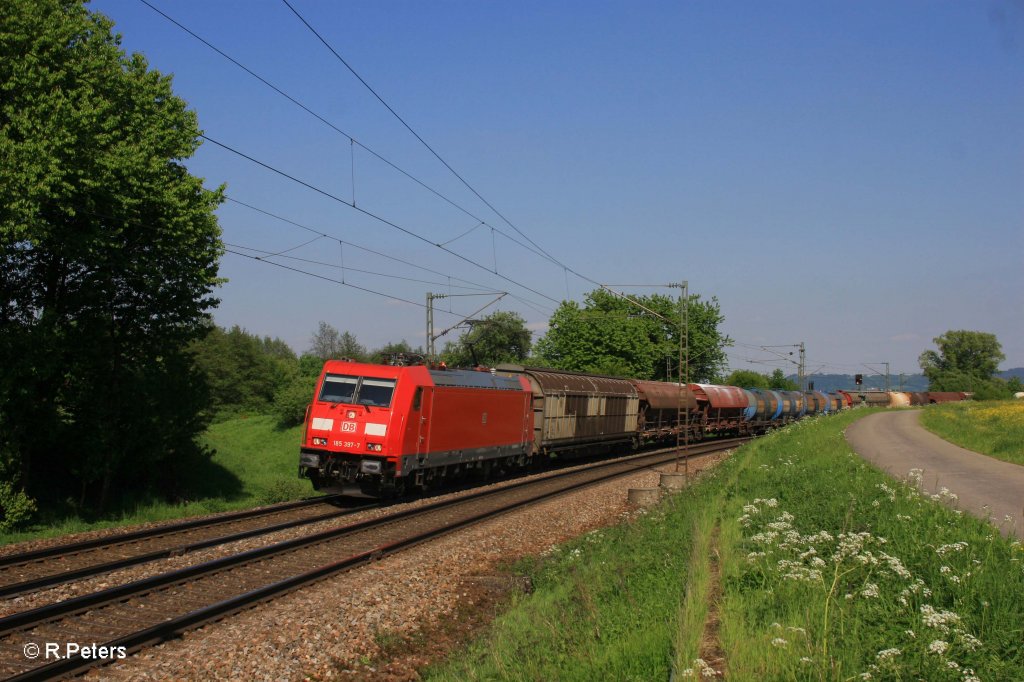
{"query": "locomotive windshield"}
(343, 388)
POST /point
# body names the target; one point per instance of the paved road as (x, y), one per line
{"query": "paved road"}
(988, 488)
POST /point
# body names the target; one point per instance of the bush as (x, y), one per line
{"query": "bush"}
(15, 507)
(290, 400)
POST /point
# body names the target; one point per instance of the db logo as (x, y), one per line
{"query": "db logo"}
(348, 427)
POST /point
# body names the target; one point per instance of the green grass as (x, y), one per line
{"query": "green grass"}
(875, 582)
(994, 428)
(603, 608)
(254, 463)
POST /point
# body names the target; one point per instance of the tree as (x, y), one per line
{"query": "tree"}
(974, 353)
(108, 258)
(243, 371)
(328, 344)
(779, 382)
(609, 335)
(745, 378)
(965, 361)
(497, 338)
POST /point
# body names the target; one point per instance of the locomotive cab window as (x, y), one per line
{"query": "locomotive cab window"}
(338, 388)
(342, 388)
(376, 392)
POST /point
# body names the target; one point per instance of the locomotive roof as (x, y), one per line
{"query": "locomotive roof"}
(472, 379)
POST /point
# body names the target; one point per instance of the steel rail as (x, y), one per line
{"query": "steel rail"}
(175, 626)
(72, 548)
(15, 589)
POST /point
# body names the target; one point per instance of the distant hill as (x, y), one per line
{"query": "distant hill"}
(1015, 372)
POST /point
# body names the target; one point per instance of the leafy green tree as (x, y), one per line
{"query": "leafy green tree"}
(499, 337)
(609, 335)
(243, 371)
(779, 382)
(965, 361)
(108, 259)
(992, 388)
(292, 397)
(329, 344)
(746, 378)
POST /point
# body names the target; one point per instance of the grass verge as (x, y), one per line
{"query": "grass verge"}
(604, 607)
(994, 428)
(830, 570)
(254, 464)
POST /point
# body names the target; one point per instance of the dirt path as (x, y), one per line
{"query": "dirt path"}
(711, 650)
(988, 488)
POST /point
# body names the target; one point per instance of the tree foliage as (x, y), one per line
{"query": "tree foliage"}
(242, 370)
(108, 259)
(779, 382)
(975, 353)
(329, 344)
(965, 361)
(609, 335)
(499, 337)
(746, 378)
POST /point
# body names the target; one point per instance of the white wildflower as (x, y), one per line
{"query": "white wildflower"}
(970, 642)
(940, 620)
(885, 654)
(938, 647)
(870, 591)
(954, 547)
(780, 643)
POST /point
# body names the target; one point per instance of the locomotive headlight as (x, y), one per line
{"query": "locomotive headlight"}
(374, 447)
(319, 441)
(351, 414)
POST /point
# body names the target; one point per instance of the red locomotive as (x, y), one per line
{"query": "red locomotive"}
(377, 427)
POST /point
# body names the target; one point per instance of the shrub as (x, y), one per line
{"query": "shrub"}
(15, 507)
(290, 400)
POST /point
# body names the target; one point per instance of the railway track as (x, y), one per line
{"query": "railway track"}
(132, 616)
(31, 571)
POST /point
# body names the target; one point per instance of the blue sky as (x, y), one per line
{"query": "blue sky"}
(849, 175)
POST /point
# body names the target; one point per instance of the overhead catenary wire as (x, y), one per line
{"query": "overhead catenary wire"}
(264, 254)
(370, 214)
(331, 279)
(353, 142)
(536, 249)
(414, 133)
(533, 305)
(408, 127)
